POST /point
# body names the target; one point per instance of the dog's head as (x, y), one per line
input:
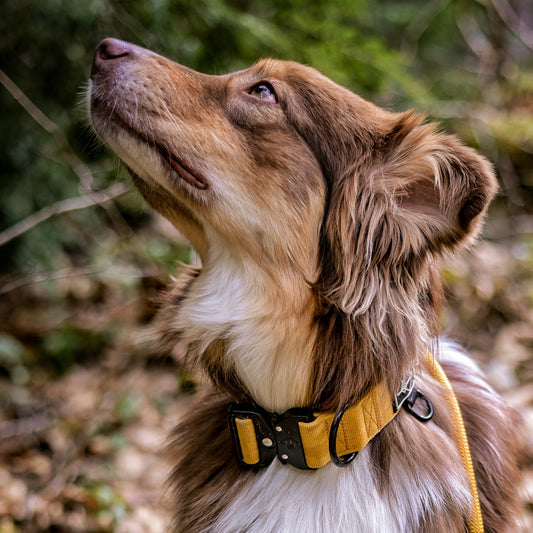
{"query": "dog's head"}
(274, 159)
(289, 170)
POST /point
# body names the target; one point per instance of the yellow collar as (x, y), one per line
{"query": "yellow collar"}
(308, 440)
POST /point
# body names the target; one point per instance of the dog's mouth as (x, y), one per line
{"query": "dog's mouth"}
(193, 178)
(100, 108)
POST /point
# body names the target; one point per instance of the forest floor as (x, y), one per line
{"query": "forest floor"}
(82, 439)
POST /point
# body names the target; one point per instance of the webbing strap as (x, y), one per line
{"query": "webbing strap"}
(248, 440)
(359, 425)
(475, 522)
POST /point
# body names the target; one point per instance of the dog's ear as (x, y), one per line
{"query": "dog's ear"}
(434, 186)
(418, 194)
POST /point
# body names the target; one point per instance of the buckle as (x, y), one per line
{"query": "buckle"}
(410, 403)
(276, 434)
(264, 434)
(408, 396)
(288, 439)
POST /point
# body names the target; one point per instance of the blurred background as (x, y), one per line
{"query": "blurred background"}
(85, 402)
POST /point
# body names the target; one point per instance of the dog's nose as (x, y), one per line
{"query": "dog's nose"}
(111, 50)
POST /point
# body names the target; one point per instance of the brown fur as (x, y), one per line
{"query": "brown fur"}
(207, 461)
(334, 215)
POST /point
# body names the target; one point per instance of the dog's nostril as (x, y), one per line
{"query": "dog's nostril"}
(111, 49)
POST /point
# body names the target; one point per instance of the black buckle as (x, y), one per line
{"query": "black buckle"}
(288, 439)
(276, 434)
(412, 400)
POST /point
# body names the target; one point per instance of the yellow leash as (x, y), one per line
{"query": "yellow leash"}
(475, 522)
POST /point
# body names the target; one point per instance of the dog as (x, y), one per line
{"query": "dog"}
(320, 220)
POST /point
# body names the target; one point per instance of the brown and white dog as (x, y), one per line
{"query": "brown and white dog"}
(320, 220)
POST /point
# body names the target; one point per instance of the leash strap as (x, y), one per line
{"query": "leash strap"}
(475, 522)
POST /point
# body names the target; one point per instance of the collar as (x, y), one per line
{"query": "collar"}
(309, 440)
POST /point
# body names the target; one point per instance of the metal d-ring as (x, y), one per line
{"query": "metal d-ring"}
(409, 406)
(343, 460)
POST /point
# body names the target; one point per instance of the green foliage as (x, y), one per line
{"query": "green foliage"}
(103, 500)
(397, 53)
(127, 407)
(458, 61)
(69, 345)
(13, 360)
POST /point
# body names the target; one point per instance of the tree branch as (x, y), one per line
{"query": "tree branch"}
(63, 206)
(514, 22)
(73, 161)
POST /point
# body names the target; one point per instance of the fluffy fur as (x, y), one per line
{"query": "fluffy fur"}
(320, 220)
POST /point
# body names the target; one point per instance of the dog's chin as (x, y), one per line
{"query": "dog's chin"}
(173, 209)
(156, 194)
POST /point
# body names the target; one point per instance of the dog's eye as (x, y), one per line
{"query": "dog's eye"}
(264, 91)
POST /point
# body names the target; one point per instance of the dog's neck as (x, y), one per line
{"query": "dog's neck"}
(266, 333)
(266, 326)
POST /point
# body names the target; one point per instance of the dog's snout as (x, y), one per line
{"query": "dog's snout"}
(111, 50)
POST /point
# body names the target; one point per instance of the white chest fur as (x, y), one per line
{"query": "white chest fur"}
(267, 329)
(332, 500)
